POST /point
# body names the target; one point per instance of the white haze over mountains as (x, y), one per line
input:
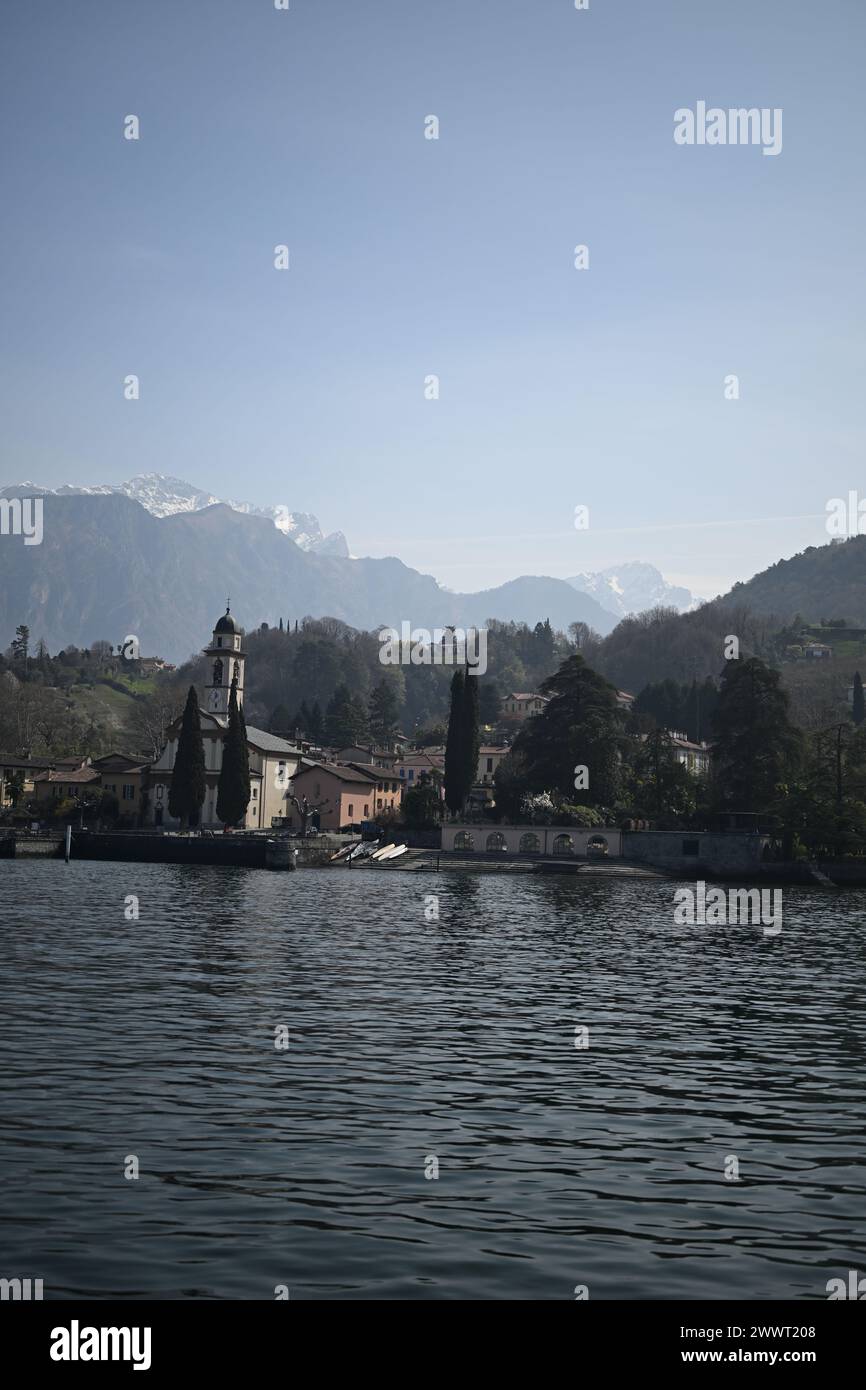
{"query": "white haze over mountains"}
(633, 587)
(163, 495)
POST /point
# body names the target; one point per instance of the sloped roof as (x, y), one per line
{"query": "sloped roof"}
(344, 774)
(82, 774)
(269, 743)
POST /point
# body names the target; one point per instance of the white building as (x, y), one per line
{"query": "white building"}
(273, 761)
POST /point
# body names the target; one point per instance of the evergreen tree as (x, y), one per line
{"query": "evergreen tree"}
(471, 736)
(281, 625)
(489, 702)
(755, 746)
(456, 790)
(579, 726)
(280, 721)
(233, 791)
(421, 806)
(858, 709)
(345, 719)
(186, 794)
(21, 646)
(317, 723)
(384, 711)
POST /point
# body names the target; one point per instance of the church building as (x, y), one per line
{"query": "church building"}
(273, 761)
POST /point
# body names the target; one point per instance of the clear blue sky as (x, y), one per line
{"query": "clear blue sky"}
(454, 257)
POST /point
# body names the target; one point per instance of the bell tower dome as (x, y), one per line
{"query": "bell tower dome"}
(226, 661)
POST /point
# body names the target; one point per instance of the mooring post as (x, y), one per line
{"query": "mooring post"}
(68, 842)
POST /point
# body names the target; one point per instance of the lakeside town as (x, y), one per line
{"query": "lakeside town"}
(709, 778)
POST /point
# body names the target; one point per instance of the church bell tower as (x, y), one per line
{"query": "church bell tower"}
(225, 664)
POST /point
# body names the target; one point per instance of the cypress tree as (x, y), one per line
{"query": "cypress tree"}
(858, 711)
(471, 736)
(233, 791)
(455, 761)
(186, 794)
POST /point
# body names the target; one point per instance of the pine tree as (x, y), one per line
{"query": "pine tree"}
(233, 791)
(456, 790)
(345, 719)
(858, 710)
(384, 711)
(281, 625)
(281, 721)
(317, 723)
(186, 794)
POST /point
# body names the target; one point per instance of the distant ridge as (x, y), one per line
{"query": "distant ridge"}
(108, 567)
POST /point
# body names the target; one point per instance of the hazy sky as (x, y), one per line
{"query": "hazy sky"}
(409, 256)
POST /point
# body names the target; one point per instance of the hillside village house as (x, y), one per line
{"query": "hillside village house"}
(694, 756)
(29, 769)
(345, 795)
(125, 778)
(409, 767)
(63, 784)
(489, 758)
(372, 757)
(273, 761)
(520, 705)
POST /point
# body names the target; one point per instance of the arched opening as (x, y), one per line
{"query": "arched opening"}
(496, 843)
(563, 844)
(597, 845)
(530, 844)
(463, 840)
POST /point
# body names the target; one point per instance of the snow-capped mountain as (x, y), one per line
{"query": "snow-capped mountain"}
(633, 587)
(163, 495)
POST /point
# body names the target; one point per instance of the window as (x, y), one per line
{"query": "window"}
(128, 791)
(255, 793)
(529, 844)
(351, 810)
(402, 772)
(496, 843)
(411, 773)
(489, 764)
(563, 844)
(691, 847)
(463, 840)
(366, 809)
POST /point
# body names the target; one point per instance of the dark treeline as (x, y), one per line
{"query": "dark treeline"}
(327, 666)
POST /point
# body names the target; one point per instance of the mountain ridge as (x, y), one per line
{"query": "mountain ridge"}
(107, 568)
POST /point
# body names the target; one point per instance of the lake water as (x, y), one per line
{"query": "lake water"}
(414, 1040)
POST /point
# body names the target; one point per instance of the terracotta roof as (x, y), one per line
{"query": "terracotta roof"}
(344, 774)
(81, 774)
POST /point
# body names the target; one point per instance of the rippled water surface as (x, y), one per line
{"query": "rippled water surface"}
(413, 1040)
